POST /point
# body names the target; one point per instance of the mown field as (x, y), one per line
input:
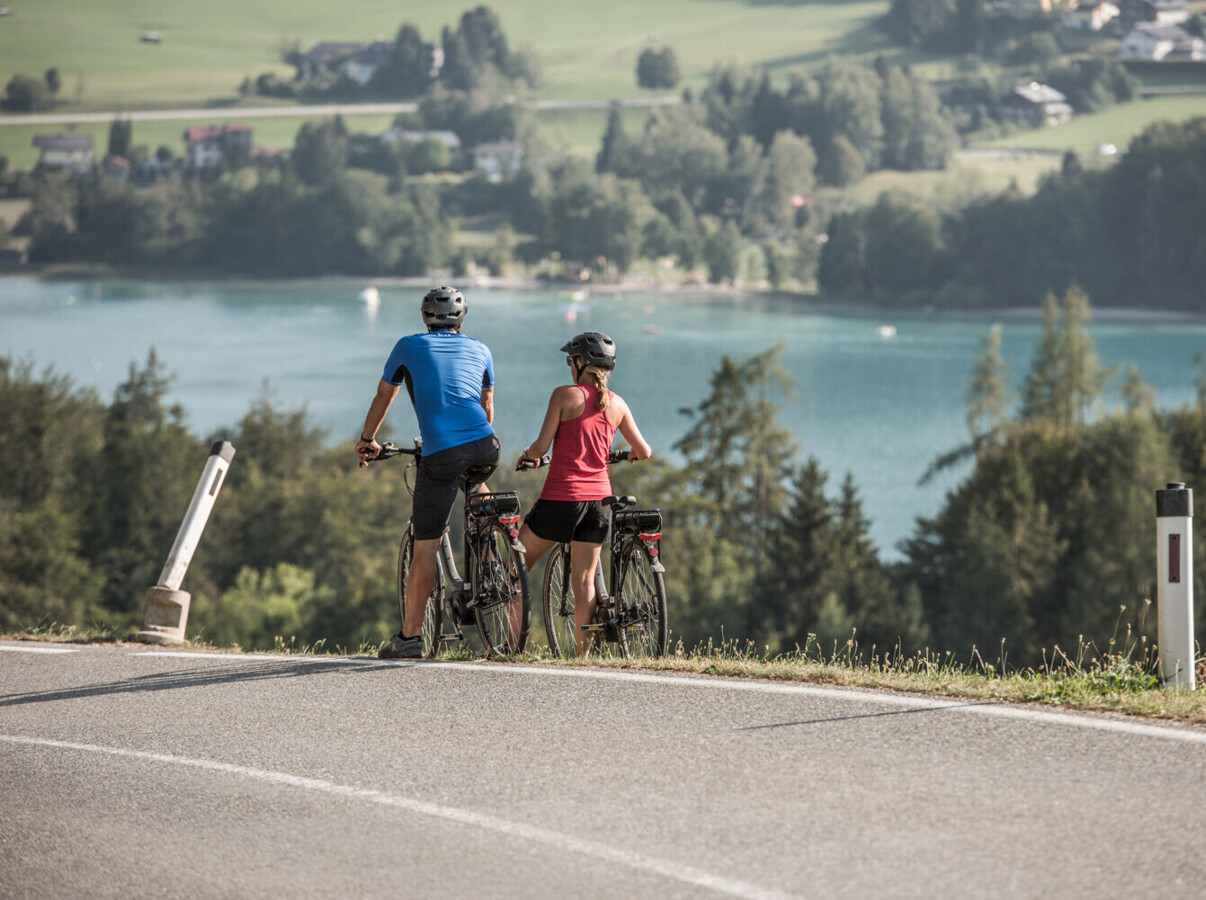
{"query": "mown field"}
(1116, 126)
(588, 50)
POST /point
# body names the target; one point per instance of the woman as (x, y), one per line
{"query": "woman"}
(581, 421)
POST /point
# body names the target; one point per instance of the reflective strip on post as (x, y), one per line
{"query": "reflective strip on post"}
(1174, 569)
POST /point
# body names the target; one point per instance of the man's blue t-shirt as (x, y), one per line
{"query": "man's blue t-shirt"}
(444, 373)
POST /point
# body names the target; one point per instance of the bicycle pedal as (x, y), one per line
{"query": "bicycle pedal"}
(594, 628)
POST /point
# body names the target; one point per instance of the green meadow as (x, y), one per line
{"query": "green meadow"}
(1116, 125)
(587, 50)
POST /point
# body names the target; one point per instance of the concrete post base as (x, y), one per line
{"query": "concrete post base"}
(165, 617)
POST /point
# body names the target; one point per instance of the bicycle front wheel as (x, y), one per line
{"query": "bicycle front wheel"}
(558, 602)
(500, 592)
(644, 629)
(433, 614)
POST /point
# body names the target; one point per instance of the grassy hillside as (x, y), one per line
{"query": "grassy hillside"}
(587, 49)
(1113, 126)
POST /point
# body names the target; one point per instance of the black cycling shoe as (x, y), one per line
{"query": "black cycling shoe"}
(402, 648)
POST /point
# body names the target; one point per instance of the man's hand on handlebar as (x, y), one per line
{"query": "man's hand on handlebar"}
(367, 450)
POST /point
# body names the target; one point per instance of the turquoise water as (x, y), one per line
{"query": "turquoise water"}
(880, 407)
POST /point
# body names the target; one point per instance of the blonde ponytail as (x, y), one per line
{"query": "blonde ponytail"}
(599, 377)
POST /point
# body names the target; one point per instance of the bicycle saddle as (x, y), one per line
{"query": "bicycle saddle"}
(618, 503)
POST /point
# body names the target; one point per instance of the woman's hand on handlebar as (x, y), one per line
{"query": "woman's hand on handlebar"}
(527, 463)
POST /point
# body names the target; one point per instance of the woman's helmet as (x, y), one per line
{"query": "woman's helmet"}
(595, 348)
(444, 307)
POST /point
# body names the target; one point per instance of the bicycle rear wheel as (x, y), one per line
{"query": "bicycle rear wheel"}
(500, 591)
(433, 613)
(558, 602)
(644, 627)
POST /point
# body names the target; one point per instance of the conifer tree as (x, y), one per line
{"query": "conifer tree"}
(988, 393)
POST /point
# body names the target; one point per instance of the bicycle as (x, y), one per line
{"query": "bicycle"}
(494, 559)
(636, 617)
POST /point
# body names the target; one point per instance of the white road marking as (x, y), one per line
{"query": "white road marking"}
(607, 853)
(21, 648)
(252, 657)
(970, 707)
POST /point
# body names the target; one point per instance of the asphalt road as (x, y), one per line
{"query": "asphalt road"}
(316, 111)
(133, 772)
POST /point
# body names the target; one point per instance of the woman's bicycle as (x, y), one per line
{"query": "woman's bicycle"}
(635, 618)
(494, 600)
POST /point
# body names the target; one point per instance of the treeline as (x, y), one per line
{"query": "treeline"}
(1046, 541)
(1131, 234)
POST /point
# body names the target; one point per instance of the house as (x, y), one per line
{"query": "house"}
(1029, 9)
(397, 136)
(362, 65)
(1156, 42)
(1038, 103)
(207, 146)
(325, 57)
(1090, 17)
(499, 159)
(1157, 12)
(72, 152)
(117, 167)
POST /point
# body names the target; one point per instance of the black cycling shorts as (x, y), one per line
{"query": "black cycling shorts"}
(439, 479)
(570, 520)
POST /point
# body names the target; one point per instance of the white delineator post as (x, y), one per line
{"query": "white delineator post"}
(166, 613)
(1174, 567)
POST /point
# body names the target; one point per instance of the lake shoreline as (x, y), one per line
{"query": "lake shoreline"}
(823, 304)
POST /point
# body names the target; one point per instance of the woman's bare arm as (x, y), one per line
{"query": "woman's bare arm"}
(552, 418)
(632, 434)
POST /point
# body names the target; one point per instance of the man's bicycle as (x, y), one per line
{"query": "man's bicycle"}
(635, 618)
(494, 600)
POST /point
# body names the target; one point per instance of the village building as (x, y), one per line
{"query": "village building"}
(1038, 103)
(70, 152)
(362, 65)
(397, 136)
(498, 159)
(1090, 17)
(209, 146)
(1161, 43)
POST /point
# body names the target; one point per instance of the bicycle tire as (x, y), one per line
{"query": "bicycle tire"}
(499, 574)
(644, 630)
(433, 620)
(557, 600)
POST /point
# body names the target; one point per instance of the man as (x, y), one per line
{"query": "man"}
(450, 379)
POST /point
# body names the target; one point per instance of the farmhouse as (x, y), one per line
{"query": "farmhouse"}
(207, 146)
(1161, 42)
(1038, 103)
(1090, 17)
(498, 159)
(397, 136)
(71, 152)
(325, 57)
(362, 65)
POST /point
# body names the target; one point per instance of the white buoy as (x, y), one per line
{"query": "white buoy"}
(371, 298)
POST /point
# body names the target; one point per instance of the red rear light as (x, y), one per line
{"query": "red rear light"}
(647, 537)
(508, 520)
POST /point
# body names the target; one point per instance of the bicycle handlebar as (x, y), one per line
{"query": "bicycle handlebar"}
(390, 449)
(526, 465)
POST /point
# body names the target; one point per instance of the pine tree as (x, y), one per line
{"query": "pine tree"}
(988, 393)
(615, 144)
(799, 563)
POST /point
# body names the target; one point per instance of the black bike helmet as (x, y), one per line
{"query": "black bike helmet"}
(444, 307)
(595, 348)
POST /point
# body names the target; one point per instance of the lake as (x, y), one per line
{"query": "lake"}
(879, 394)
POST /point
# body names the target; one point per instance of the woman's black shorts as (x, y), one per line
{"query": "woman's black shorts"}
(439, 479)
(570, 520)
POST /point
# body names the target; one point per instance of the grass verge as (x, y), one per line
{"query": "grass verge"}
(1121, 678)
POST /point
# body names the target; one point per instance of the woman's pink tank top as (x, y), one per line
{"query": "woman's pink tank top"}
(578, 470)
